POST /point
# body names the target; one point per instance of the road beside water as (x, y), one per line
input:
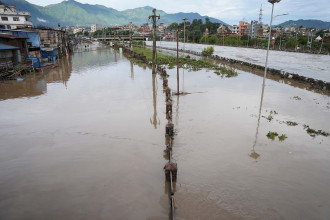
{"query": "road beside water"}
(310, 65)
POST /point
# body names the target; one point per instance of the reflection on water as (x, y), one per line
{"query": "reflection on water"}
(254, 154)
(90, 149)
(132, 70)
(155, 121)
(93, 59)
(36, 84)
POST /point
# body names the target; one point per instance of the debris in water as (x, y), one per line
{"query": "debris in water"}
(291, 123)
(313, 132)
(296, 97)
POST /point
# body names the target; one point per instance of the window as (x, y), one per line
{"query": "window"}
(16, 18)
(4, 18)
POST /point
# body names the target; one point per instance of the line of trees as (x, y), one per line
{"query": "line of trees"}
(195, 32)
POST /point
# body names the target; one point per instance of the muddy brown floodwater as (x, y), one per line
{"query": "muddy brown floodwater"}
(86, 141)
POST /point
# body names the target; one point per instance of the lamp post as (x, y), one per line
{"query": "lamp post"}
(270, 33)
(254, 154)
(184, 32)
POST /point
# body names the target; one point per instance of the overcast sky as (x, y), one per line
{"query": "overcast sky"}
(229, 11)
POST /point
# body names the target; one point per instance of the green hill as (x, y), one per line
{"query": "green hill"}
(306, 23)
(71, 12)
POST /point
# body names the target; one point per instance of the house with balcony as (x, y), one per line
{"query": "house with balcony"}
(10, 18)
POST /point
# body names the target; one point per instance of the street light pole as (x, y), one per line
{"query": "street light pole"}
(270, 33)
(184, 32)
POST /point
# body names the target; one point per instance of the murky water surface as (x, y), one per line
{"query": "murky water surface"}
(310, 65)
(86, 141)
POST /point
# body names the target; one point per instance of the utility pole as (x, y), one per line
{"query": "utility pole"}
(154, 39)
(130, 35)
(321, 44)
(177, 60)
(296, 41)
(184, 32)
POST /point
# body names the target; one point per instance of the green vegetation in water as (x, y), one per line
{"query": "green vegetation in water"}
(282, 137)
(226, 71)
(139, 42)
(208, 51)
(270, 116)
(186, 62)
(291, 123)
(313, 132)
(296, 97)
(272, 135)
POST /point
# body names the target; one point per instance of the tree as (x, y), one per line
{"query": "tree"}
(173, 26)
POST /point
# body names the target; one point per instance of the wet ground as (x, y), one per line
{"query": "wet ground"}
(310, 65)
(86, 141)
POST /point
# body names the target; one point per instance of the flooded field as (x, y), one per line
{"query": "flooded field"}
(86, 141)
(309, 65)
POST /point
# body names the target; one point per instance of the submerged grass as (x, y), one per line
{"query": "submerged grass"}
(186, 62)
(313, 132)
(272, 135)
(282, 137)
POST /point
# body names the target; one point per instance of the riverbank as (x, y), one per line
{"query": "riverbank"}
(313, 84)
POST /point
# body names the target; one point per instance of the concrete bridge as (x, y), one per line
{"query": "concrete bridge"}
(121, 37)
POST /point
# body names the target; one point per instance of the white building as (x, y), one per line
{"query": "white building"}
(12, 19)
(78, 29)
(96, 27)
(234, 29)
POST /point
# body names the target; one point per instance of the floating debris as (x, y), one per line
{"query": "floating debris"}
(296, 98)
(291, 123)
(313, 132)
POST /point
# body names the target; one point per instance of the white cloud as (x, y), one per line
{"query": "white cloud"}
(41, 20)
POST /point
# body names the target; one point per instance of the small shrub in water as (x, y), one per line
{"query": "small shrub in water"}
(208, 51)
(282, 137)
(272, 135)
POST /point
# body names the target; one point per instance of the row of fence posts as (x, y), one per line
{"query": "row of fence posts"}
(170, 167)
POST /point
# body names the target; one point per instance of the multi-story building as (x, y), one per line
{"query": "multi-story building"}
(96, 27)
(254, 29)
(78, 29)
(234, 29)
(12, 19)
(243, 28)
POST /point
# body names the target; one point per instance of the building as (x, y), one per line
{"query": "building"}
(243, 28)
(254, 29)
(78, 30)
(234, 29)
(12, 19)
(96, 27)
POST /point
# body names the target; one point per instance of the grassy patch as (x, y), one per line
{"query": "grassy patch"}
(208, 51)
(282, 137)
(187, 62)
(272, 135)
